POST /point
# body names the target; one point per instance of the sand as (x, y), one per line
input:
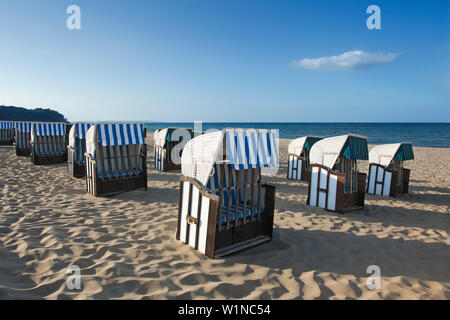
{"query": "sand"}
(125, 245)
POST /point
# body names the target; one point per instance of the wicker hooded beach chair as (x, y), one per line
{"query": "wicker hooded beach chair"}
(335, 183)
(223, 206)
(116, 158)
(387, 175)
(47, 143)
(298, 158)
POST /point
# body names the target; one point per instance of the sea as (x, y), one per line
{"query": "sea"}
(419, 134)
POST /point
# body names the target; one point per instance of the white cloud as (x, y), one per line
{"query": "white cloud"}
(350, 60)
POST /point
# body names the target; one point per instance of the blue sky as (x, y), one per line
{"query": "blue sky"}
(226, 60)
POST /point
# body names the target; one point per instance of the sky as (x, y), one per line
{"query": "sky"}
(211, 60)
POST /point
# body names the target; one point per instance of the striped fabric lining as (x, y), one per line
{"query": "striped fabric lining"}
(355, 148)
(405, 152)
(49, 129)
(249, 149)
(310, 142)
(6, 125)
(81, 129)
(213, 187)
(118, 161)
(24, 127)
(49, 145)
(80, 149)
(117, 134)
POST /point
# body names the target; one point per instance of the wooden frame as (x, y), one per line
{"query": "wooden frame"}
(327, 190)
(7, 137)
(381, 178)
(294, 163)
(101, 186)
(162, 163)
(200, 215)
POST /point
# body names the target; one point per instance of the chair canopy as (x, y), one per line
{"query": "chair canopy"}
(24, 127)
(6, 125)
(241, 148)
(47, 129)
(162, 136)
(384, 154)
(78, 131)
(296, 146)
(114, 134)
(326, 152)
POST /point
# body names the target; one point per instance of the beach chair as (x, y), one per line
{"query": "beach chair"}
(387, 175)
(116, 158)
(76, 165)
(168, 144)
(224, 207)
(23, 137)
(298, 157)
(6, 133)
(47, 144)
(335, 183)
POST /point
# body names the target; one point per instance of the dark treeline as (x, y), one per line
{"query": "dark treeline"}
(38, 114)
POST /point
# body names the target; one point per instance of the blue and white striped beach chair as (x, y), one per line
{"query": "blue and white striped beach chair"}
(116, 158)
(48, 143)
(223, 206)
(6, 133)
(76, 161)
(23, 137)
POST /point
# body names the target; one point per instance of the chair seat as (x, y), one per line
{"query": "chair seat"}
(240, 212)
(49, 153)
(120, 174)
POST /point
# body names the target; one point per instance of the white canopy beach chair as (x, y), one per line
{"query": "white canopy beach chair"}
(167, 142)
(23, 137)
(6, 133)
(335, 182)
(76, 164)
(387, 176)
(298, 158)
(116, 158)
(48, 143)
(223, 206)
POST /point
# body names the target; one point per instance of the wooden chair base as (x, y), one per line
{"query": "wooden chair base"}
(76, 170)
(326, 190)
(241, 246)
(200, 224)
(6, 142)
(23, 152)
(383, 181)
(106, 188)
(48, 159)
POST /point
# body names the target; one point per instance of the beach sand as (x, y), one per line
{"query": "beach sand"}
(126, 248)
